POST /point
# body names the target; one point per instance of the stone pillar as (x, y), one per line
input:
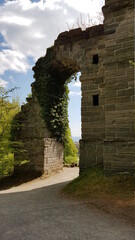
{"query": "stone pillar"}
(119, 144)
(92, 105)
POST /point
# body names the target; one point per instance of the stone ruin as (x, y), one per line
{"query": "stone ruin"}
(102, 54)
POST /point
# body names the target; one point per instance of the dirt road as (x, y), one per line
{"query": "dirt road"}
(37, 211)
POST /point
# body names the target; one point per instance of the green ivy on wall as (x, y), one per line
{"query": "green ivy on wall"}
(52, 93)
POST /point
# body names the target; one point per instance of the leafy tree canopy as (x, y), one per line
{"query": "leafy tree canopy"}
(8, 109)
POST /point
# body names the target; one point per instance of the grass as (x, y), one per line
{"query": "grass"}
(114, 193)
(95, 182)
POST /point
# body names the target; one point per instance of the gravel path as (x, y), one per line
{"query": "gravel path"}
(37, 211)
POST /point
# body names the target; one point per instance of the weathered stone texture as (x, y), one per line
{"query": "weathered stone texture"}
(119, 90)
(101, 53)
(45, 155)
(91, 153)
(53, 156)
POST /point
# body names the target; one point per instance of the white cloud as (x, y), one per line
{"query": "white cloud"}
(16, 20)
(39, 35)
(52, 4)
(3, 83)
(13, 60)
(75, 93)
(85, 6)
(30, 27)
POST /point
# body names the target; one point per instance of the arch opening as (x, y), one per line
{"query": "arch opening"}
(74, 107)
(51, 89)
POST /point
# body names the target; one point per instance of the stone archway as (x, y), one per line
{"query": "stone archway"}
(66, 57)
(107, 124)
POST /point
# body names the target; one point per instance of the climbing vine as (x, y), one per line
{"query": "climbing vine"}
(52, 93)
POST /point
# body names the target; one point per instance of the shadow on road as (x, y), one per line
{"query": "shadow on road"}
(17, 179)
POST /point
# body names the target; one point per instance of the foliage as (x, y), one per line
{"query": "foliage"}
(70, 150)
(18, 145)
(71, 159)
(7, 112)
(6, 164)
(53, 98)
(52, 92)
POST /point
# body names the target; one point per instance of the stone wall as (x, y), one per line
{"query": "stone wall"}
(43, 153)
(53, 156)
(119, 143)
(101, 53)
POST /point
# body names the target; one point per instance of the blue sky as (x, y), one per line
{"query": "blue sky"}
(27, 29)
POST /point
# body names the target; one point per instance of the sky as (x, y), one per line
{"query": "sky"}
(27, 29)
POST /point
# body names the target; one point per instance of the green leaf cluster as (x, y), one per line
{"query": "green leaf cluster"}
(52, 94)
(8, 109)
(70, 150)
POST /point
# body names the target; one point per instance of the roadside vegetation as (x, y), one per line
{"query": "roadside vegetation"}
(8, 109)
(113, 193)
(70, 150)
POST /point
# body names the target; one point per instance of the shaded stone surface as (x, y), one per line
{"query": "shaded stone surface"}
(44, 153)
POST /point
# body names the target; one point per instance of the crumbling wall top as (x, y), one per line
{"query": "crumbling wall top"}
(77, 34)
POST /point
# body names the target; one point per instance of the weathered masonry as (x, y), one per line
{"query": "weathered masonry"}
(102, 54)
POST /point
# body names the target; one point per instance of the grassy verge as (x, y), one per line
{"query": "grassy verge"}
(113, 194)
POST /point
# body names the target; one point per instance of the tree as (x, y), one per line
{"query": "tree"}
(7, 111)
(70, 150)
